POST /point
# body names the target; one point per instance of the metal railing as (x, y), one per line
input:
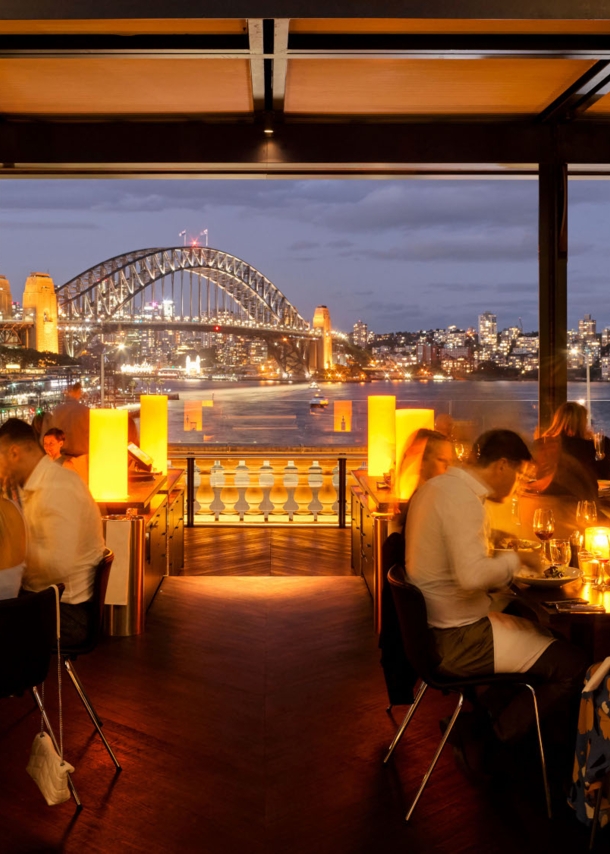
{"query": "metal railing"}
(266, 486)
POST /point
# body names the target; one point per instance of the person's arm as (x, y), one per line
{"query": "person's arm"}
(466, 542)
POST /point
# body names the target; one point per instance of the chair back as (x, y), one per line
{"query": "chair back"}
(94, 629)
(27, 637)
(417, 638)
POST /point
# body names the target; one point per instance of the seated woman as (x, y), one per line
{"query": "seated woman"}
(565, 455)
(12, 549)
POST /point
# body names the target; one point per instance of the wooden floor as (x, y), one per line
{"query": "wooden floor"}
(250, 717)
(215, 550)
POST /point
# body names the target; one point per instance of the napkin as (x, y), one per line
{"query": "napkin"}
(596, 680)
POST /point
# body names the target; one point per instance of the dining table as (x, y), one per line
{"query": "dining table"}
(589, 630)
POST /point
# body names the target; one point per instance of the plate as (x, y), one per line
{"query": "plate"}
(532, 546)
(571, 574)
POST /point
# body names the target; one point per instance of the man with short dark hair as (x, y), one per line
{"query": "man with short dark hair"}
(448, 556)
(64, 527)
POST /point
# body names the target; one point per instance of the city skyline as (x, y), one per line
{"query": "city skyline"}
(399, 255)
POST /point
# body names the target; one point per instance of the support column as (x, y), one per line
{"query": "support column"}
(553, 289)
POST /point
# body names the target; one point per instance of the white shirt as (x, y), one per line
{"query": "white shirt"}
(64, 532)
(447, 557)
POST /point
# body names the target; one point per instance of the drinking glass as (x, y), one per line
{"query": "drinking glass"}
(586, 514)
(589, 567)
(544, 528)
(561, 553)
(600, 445)
(603, 558)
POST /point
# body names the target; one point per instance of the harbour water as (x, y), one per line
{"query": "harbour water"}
(280, 415)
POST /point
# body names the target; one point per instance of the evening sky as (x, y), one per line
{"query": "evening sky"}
(399, 255)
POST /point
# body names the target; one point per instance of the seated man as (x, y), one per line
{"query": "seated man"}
(64, 528)
(448, 558)
(53, 443)
(12, 549)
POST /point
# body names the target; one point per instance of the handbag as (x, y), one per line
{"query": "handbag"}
(47, 767)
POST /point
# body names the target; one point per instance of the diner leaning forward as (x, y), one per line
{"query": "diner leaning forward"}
(448, 550)
(64, 528)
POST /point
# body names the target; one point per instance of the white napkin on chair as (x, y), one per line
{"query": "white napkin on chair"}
(596, 680)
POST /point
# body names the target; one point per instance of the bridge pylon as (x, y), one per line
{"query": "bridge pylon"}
(40, 304)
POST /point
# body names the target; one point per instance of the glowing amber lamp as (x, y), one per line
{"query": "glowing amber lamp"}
(153, 429)
(596, 540)
(193, 419)
(408, 422)
(108, 454)
(382, 434)
(342, 416)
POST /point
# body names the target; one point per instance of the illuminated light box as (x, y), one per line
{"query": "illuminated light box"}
(408, 422)
(381, 433)
(207, 403)
(153, 429)
(193, 416)
(596, 540)
(342, 416)
(108, 454)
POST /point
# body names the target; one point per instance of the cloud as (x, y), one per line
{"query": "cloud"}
(303, 244)
(50, 225)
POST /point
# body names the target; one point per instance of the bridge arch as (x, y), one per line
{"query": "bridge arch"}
(115, 289)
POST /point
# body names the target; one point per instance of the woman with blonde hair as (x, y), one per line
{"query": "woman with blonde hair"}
(570, 420)
(565, 455)
(12, 549)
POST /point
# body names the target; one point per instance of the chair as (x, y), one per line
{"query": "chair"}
(420, 651)
(70, 653)
(28, 630)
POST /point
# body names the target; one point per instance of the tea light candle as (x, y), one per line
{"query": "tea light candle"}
(596, 540)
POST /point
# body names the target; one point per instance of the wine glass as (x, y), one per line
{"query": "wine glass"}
(544, 528)
(600, 444)
(461, 451)
(586, 514)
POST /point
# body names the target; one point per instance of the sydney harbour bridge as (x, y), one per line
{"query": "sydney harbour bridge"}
(189, 288)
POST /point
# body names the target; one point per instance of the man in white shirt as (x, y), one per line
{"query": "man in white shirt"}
(448, 558)
(64, 527)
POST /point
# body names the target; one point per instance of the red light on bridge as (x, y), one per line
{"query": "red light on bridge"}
(217, 329)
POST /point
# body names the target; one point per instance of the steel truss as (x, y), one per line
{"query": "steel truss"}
(115, 289)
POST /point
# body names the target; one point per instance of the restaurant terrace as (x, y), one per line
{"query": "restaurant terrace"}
(242, 694)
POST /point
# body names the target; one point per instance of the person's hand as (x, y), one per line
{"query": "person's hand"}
(532, 561)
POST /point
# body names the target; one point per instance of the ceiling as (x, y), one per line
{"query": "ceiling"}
(320, 95)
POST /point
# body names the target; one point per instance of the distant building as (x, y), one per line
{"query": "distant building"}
(360, 335)
(6, 300)
(488, 329)
(587, 327)
(428, 354)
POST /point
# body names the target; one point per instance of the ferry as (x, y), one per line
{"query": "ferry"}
(318, 401)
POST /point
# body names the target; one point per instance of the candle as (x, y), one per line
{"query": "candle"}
(108, 454)
(596, 541)
(381, 434)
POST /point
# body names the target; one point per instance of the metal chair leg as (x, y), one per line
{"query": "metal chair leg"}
(439, 749)
(406, 721)
(47, 724)
(545, 780)
(596, 811)
(90, 710)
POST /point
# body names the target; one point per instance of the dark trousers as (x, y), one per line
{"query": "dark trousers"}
(74, 623)
(557, 677)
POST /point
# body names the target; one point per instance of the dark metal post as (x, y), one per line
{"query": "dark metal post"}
(553, 289)
(190, 492)
(342, 490)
